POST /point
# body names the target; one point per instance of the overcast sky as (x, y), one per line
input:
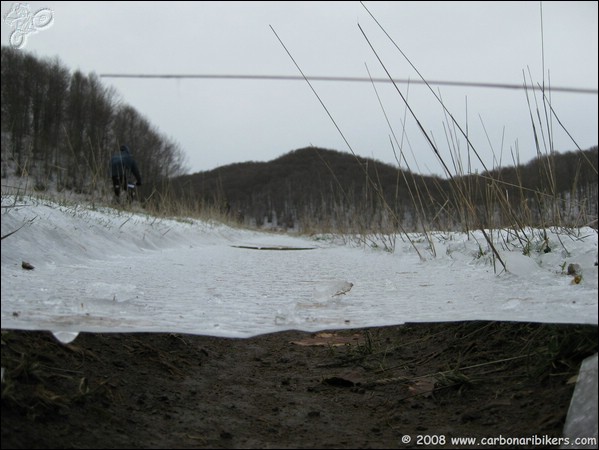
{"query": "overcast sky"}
(223, 121)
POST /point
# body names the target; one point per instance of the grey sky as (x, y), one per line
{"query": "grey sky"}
(219, 122)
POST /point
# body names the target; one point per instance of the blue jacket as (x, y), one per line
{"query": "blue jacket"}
(123, 164)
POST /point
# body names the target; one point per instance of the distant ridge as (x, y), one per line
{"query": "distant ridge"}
(323, 185)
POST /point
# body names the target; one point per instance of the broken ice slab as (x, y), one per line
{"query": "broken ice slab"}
(66, 337)
(581, 423)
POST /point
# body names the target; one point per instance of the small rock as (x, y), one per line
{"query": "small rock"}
(344, 288)
(226, 435)
(574, 269)
(25, 265)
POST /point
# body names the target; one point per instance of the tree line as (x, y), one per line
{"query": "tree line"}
(316, 188)
(61, 128)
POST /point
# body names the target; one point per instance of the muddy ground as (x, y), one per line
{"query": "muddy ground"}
(409, 386)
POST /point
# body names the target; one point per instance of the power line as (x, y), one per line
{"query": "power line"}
(348, 79)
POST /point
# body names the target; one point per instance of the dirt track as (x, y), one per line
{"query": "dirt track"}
(366, 388)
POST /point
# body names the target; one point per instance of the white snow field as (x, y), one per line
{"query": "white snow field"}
(105, 270)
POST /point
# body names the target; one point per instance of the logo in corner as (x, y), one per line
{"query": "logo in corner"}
(25, 22)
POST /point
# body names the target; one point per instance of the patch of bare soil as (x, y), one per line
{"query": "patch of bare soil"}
(408, 386)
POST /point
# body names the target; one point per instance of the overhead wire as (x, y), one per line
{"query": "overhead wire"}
(574, 90)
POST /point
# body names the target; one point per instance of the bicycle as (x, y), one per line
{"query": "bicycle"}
(131, 192)
(128, 192)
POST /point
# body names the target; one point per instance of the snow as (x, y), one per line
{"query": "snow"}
(107, 270)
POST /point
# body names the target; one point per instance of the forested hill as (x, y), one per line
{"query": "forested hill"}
(326, 188)
(308, 181)
(61, 127)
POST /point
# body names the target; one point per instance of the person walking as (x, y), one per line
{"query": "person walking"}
(122, 166)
